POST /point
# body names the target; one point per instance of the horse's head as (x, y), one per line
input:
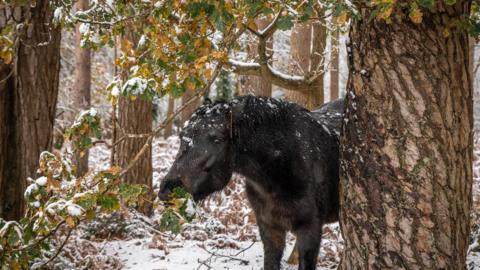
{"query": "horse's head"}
(204, 161)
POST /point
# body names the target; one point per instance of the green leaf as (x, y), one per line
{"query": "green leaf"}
(170, 222)
(450, 2)
(108, 202)
(426, 3)
(130, 193)
(285, 23)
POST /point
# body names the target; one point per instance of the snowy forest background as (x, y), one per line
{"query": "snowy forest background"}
(223, 234)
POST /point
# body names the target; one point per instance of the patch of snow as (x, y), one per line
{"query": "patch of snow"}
(84, 28)
(137, 86)
(190, 210)
(30, 189)
(41, 181)
(74, 210)
(115, 91)
(58, 14)
(35, 204)
(142, 41)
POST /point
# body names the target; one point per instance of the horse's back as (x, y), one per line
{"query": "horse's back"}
(331, 114)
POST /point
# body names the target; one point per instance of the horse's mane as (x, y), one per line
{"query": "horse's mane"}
(264, 110)
(250, 111)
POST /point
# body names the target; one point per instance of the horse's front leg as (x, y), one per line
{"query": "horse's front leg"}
(273, 244)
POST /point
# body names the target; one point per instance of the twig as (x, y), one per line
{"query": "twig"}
(6, 77)
(204, 263)
(245, 262)
(58, 250)
(245, 249)
(43, 238)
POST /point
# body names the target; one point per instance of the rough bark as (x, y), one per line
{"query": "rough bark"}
(256, 85)
(135, 117)
(80, 94)
(307, 47)
(334, 66)
(28, 98)
(407, 143)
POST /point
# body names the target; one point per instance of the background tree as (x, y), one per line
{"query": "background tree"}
(188, 111)
(255, 85)
(407, 139)
(308, 42)
(170, 110)
(80, 94)
(135, 118)
(28, 95)
(334, 66)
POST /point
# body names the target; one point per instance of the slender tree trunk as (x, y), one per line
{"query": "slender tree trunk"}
(407, 142)
(306, 52)
(471, 63)
(167, 132)
(319, 36)
(188, 111)
(254, 85)
(334, 66)
(300, 59)
(135, 117)
(80, 95)
(28, 98)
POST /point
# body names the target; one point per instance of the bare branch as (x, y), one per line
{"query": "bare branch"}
(58, 250)
(265, 70)
(291, 82)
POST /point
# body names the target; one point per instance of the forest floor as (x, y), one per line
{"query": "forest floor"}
(222, 236)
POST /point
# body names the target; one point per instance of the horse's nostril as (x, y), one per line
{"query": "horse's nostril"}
(166, 188)
(164, 194)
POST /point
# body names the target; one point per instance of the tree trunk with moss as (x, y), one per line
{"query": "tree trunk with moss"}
(28, 96)
(406, 154)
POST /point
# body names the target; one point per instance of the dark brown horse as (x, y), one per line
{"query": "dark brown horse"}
(289, 156)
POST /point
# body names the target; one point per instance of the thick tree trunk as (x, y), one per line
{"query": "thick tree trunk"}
(407, 143)
(136, 117)
(334, 66)
(306, 53)
(28, 98)
(80, 95)
(255, 85)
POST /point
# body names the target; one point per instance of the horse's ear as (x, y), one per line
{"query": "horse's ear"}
(207, 101)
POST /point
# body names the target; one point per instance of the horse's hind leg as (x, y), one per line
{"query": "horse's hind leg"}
(273, 244)
(308, 241)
